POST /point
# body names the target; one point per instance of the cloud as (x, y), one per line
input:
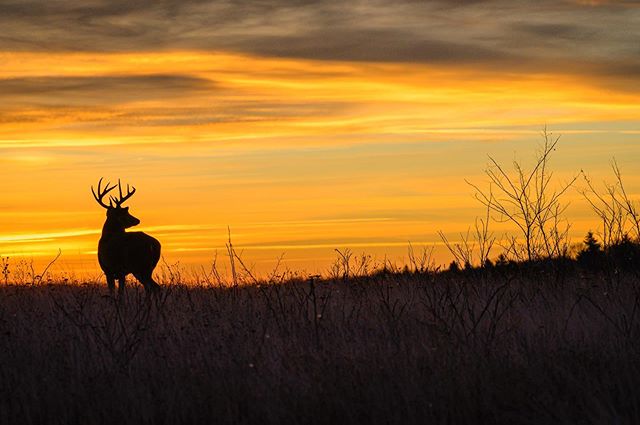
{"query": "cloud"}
(371, 46)
(98, 90)
(151, 100)
(503, 35)
(556, 31)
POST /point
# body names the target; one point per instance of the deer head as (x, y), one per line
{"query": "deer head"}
(118, 217)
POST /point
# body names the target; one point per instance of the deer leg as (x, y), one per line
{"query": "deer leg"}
(147, 281)
(155, 287)
(111, 284)
(121, 285)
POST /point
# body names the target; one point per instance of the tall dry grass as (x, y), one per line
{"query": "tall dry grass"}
(512, 345)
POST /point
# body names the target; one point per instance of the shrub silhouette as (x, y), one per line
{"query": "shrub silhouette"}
(625, 254)
(592, 254)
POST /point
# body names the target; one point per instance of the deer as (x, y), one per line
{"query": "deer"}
(120, 252)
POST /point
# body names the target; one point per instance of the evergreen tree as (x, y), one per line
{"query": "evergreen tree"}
(592, 255)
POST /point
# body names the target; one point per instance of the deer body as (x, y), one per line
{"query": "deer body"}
(120, 252)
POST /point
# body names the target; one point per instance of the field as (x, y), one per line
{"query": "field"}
(546, 343)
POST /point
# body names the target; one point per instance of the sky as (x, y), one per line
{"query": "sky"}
(301, 126)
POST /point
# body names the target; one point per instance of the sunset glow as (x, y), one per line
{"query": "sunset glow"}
(299, 153)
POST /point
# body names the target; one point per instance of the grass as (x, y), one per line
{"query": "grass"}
(513, 345)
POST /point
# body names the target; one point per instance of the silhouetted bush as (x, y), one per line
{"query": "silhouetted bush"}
(454, 267)
(527, 199)
(624, 254)
(591, 256)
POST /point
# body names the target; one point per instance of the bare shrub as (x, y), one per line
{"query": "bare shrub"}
(480, 241)
(617, 212)
(530, 201)
(349, 265)
(423, 262)
(5, 269)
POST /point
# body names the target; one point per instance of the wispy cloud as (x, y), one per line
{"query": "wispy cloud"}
(497, 33)
(98, 90)
(48, 236)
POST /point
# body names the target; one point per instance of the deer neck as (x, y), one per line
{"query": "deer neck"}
(111, 228)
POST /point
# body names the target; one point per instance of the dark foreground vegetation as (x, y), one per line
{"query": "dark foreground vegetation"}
(545, 342)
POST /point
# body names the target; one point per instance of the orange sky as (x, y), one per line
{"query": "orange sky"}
(297, 155)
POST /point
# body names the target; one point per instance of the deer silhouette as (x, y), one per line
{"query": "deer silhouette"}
(119, 252)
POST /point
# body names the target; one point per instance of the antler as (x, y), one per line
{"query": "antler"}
(130, 192)
(102, 193)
